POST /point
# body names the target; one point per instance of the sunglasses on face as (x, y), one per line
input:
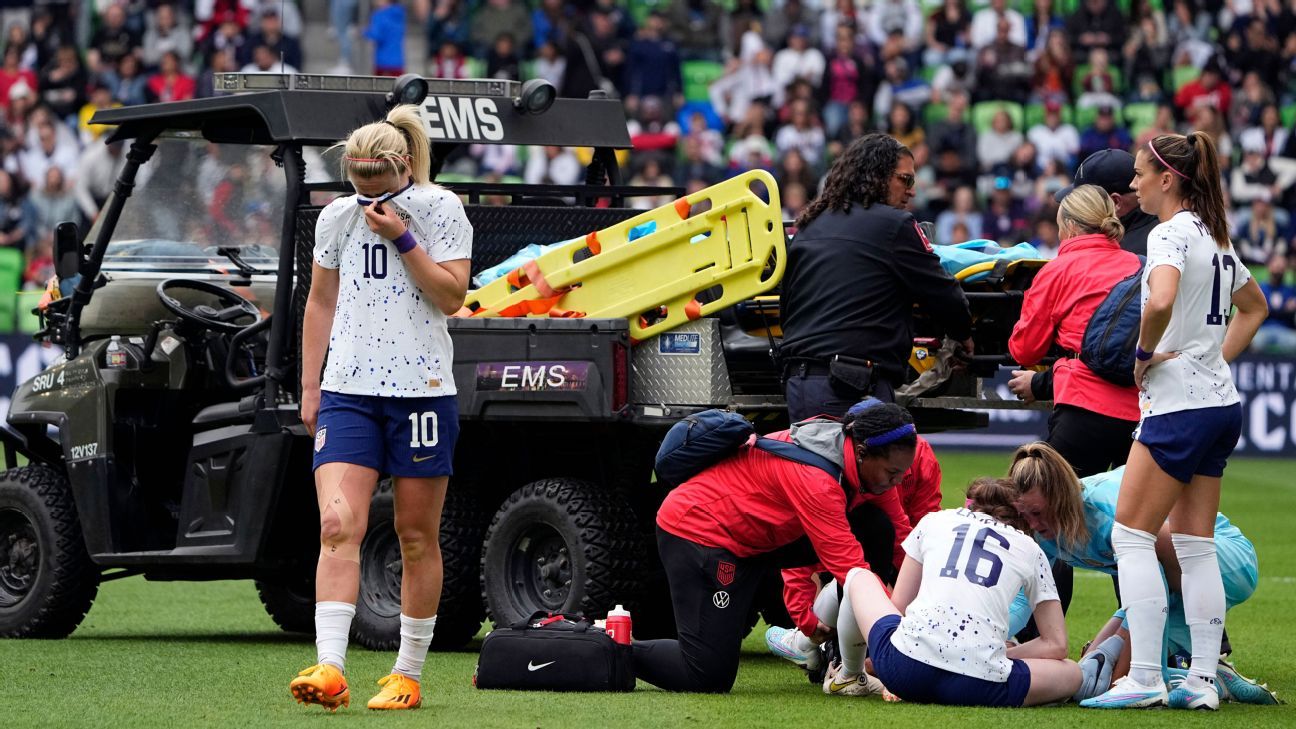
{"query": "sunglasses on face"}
(908, 180)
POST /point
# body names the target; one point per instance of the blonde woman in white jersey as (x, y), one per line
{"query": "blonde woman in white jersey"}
(941, 636)
(1191, 417)
(391, 263)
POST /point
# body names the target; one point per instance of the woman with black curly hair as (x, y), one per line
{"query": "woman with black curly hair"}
(722, 531)
(858, 264)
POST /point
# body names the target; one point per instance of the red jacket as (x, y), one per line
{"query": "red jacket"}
(1057, 308)
(919, 494)
(755, 502)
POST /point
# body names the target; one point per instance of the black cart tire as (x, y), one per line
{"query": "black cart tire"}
(290, 601)
(561, 545)
(47, 581)
(460, 614)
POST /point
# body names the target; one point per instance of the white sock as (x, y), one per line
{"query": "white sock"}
(332, 627)
(850, 640)
(1144, 596)
(827, 604)
(1203, 601)
(802, 643)
(416, 636)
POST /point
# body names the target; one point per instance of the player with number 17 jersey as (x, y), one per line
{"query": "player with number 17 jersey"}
(1210, 275)
(973, 566)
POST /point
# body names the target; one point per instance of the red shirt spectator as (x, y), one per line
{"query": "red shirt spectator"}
(1208, 90)
(12, 72)
(169, 84)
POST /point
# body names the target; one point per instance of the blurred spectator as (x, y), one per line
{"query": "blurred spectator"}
(1262, 236)
(847, 78)
(552, 166)
(963, 210)
(1148, 46)
(712, 142)
(746, 80)
(743, 18)
(1211, 121)
(653, 65)
(447, 21)
(270, 33)
(1004, 219)
(1054, 139)
(16, 38)
(857, 125)
(128, 83)
(496, 159)
(1208, 90)
(1278, 332)
(889, 17)
(1187, 25)
(113, 40)
(226, 210)
(985, 25)
(12, 72)
(63, 82)
(96, 174)
(14, 214)
(170, 83)
(953, 170)
(550, 65)
(1046, 238)
(595, 57)
(1096, 24)
(550, 22)
(264, 60)
(795, 197)
(1164, 123)
(781, 22)
(167, 31)
(957, 75)
(695, 25)
(499, 16)
(448, 62)
(47, 36)
(51, 150)
(1254, 50)
(751, 149)
(695, 165)
(1146, 90)
(793, 169)
(1256, 180)
(623, 22)
(1106, 133)
(954, 131)
(503, 61)
(40, 264)
(840, 15)
(948, 28)
(803, 134)
(651, 175)
(52, 204)
(1268, 137)
(1022, 169)
(654, 129)
(1040, 24)
(220, 62)
(342, 27)
(1052, 178)
(997, 143)
(800, 60)
(899, 87)
(386, 30)
(1097, 85)
(1250, 99)
(290, 18)
(902, 126)
(228, 36)
(1002, 69)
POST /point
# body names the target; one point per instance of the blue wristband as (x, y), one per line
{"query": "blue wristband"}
(404, 242)
(1141, 354)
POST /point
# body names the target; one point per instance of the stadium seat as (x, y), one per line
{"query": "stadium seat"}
(1083, 69)
(1181, 75)
(1084, 117)
(1035, 115)
(698, 76)
(474, 67)
(983, 113)
(28, 321)
(1139, 117)
(934, 113)
(11, 268)
(1289, 116)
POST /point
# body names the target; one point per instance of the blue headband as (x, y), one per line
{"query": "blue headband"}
(867, 403)
(890, 436)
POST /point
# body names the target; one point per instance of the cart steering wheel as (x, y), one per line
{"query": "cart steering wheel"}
(218, 320)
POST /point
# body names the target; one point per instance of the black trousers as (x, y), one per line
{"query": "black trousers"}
(809, 392)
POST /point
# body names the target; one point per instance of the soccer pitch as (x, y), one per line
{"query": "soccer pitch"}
(206, 654)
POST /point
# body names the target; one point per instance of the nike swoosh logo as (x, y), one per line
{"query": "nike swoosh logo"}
(532, 667)
(834, 687)
(420, 459)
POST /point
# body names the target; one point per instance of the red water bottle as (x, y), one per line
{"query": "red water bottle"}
(618, 625)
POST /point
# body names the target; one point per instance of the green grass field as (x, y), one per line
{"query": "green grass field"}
(185, 654)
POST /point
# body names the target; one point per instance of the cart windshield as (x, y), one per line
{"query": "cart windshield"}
(191, 199)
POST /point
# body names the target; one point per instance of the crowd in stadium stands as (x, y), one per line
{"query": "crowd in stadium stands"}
(999, 99)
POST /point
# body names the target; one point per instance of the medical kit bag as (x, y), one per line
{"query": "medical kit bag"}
(554, 652)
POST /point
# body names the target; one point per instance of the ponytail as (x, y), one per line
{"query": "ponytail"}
(995, 497)
(1038, 466)
(1194, 161)
(397, 144)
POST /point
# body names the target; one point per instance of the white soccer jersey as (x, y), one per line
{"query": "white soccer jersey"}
(1209, 276)
(973, 568)
(387, 338)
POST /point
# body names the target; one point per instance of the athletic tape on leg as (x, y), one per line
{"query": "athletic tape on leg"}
(335, 499)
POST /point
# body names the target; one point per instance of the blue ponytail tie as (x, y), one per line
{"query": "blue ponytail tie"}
(890, 436)
(867, 403)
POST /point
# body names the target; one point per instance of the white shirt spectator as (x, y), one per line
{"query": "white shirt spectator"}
(561, 169)
(276, 67)
(791, 64)
(1254, 139)
(994, 148)
(96, 173)
(34, 161)
(985, 25)
(886, 16)
(1061, 143)
(809, 142)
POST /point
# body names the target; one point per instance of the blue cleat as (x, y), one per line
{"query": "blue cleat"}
(1233, 686)
(1127, 693)
(1187, 696)
(782, 643)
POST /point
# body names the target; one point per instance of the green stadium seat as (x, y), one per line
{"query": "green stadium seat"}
(11, 269)
(1085, 117)
(698, 76)
(28, 321)
(1083, 69)
(1035, 115)
(934, 113)
(474, 67)
(983, 113)
(1181, 75)
(1139, 117)
(1289, 116)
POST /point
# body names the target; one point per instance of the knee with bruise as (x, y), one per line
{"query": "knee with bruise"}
(339, 533)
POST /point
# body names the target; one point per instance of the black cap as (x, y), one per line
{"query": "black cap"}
(1110, 169)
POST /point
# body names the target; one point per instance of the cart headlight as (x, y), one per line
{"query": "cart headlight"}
(408, 89)
(536, 96)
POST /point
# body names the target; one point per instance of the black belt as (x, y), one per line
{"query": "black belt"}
(818, 367)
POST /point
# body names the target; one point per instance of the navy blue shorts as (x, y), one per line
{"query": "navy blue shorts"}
(396, 436)
(1192, 442)
(920, 683)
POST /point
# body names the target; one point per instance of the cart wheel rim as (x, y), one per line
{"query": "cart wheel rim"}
(540, 569)
(380, 572)
(20, 557)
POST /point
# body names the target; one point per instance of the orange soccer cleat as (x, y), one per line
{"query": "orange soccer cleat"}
(398, 692)
(323, 684)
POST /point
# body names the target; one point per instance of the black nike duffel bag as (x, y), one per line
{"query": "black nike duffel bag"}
(553, 652)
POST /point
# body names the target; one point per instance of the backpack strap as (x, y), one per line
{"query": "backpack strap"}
(793, 452)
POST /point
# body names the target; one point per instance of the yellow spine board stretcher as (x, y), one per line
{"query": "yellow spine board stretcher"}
(737, 244)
